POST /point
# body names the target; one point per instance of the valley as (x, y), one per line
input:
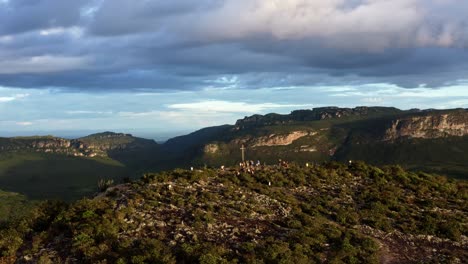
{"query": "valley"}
(427, 140)
(309, 193)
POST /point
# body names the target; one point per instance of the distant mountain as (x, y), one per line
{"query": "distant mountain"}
(51, 167)
(435, 140)
(101, 144)
(428, 140)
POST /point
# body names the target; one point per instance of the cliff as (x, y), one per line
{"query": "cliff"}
(316, 114)
(433, 140)
(272, 140)
(94, 145)
(430, 125)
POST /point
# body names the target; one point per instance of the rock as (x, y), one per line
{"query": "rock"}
(160, 223)
(428, 126)
(211, 148)
(273, 139)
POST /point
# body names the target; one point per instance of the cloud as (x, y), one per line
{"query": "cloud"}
(325, 20)
(24, 123)
(42, 64)
(372, 100)
(20, 16)
(52, 110)
(362, 24)
(98, 45)
(230, 107)
(87, 112)
(4, 99)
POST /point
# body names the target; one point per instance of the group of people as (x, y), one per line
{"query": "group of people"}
(250, 163)
(249, 166)
(283, 163)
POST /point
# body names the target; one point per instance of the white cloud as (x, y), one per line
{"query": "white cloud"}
(6, 39)
(367, 24)
(7, 99)
(24, 123)
(139, 114)
(72, 31)
(305, 18)
(4, 99)
(52, 31)
(230, 107)
(372, 100)
(87, 112)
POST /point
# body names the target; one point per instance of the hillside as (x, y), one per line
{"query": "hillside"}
(428, 140)
(431, 140)
(331, 213)
(101, 144)
(13, 206)
(50, 167)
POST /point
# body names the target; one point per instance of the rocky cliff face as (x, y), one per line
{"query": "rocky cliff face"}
(316, 114)
(273, 139)
(50, 145)
(90, 146)
(432, 125)
(279, 140)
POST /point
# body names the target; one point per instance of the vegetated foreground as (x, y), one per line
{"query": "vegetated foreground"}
(263, 214)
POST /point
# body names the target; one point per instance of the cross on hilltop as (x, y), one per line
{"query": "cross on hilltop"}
(243, 152)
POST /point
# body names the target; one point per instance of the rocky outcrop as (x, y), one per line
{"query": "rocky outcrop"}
(279, 140)
(90, 146)
(50, 143)
(211, 149)
(273, 139)
(428, 126)
(316, 114)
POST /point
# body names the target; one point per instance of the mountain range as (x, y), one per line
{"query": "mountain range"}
(429, 140)
(308, 197)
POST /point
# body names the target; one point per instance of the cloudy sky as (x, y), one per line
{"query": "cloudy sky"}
(154, 67)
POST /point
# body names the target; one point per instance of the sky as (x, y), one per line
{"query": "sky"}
(158, 68)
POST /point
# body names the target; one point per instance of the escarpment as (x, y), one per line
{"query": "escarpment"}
(429, 126)
(94, 145)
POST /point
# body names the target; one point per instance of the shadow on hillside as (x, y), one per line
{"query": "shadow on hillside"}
(445, 156)
(60, 177)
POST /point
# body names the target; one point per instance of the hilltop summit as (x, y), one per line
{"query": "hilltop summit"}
(267, 214)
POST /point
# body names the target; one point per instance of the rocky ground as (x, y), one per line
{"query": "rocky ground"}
(318, 214)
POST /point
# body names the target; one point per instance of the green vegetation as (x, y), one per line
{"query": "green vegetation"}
(113, 141)
(339, 134)
(13, 206)
(332, 213)
(447, 156)
(49, 167)
(49, 176)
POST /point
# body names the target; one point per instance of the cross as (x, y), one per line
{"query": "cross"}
(243, 154)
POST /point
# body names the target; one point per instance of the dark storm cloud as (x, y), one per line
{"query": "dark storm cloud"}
(18, 16)
(121, 17)
(186, 44)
